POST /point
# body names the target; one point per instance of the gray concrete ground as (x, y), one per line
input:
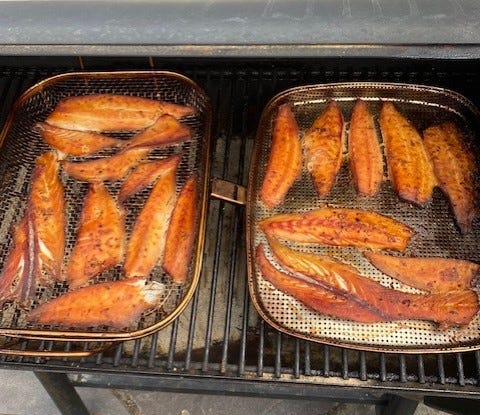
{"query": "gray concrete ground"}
(22, 394)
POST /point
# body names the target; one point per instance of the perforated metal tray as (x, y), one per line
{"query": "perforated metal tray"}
(22, 144)
(435, 230)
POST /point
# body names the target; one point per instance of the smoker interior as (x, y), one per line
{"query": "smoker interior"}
(219, 344)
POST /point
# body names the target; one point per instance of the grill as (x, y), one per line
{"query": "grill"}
(219, 344)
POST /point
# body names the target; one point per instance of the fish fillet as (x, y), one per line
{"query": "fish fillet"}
(147, 242)
(100, 242)
(181, 233)
(117, 304)
(323, 145)
(409, 165)
(105, 169)
(340, 227)
(111, 112)
(428, 274)
(285, 159)
(366, 162)
(76, 143)
(313, 295)
(455, 169)
(166, 130)
(455, 308)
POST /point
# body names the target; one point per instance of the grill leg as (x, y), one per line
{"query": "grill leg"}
(397, 405)
(62, 393)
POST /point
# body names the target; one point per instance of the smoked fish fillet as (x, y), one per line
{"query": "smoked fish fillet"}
(455, 308)
(365, 155)
(455, 169)
(428, 274)
(76, 143)
(111, 112)
(147, 242)
(285, 159)
(323, 146)
(410, 167)
(165, 131)
(100, 242)
(339, 227)
(105, 169)
(313, 295)
(117, 304)
(181, 233)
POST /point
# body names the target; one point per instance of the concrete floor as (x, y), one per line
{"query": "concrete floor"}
(22, 394)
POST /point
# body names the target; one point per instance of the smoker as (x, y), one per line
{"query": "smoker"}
(242, 54)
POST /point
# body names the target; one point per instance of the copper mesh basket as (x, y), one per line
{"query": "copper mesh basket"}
(22, 144)
(435, 230)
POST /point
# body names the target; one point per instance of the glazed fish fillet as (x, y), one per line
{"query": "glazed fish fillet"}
(410, 168)
(456, 308)
(147, 242)
(339, 227)
(116, 304)
(323, 146)
(455, 169)
(106, 169)
(100, 242)
(313, 295)
(428, 274)
(285, 159)
(181, 233)
(76, 143)
(366, 162)
(111, 112)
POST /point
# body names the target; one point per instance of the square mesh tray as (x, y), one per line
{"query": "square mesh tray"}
(22, 144)
(435, 230)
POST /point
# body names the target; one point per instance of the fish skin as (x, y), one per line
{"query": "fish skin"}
(323, 146)
(111, 112)
(455, 168)
(147, 241)
(410, 167)
(105, 169)
(117, 304)
(430, 274)
(456, 308)
(181, 233)
(76, 143)
(285, 159)
(365, 155)
(313, 295)
(100, 242)
(339, 227)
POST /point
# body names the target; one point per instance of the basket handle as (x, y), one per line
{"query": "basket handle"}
(228, 191)
(5, 350)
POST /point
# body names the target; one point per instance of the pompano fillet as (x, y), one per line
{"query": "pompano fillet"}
(285, 159)
(116, 304)
(323, 146)
(147, 242)
(312, 295)
(339, 227)
(181, 233)
(429, 274)
(76, 143)
(165, 131)
(106, 169)
(410, 168)
(111, 112)
(100, 242)
(456, 308)
(365, 155)
(455, 169)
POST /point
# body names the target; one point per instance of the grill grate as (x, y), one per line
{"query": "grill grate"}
(219, 335)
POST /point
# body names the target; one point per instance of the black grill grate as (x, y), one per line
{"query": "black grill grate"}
(219, 335)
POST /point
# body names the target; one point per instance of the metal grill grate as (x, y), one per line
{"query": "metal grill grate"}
(219, 336)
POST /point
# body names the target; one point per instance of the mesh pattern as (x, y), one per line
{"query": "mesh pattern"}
(435, 230)
(23, 144)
